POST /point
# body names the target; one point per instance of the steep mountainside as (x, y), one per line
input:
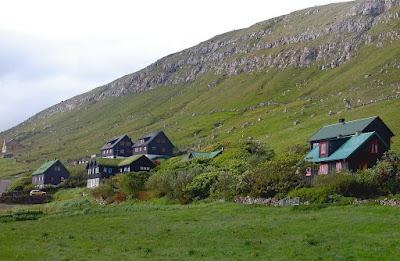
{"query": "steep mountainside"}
(278, 81)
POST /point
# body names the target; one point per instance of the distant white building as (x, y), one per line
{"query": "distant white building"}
(4, 148)
(4, 184)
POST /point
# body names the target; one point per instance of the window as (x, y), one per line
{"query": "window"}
(339, 166)
(323, 149)
(308, 172)
(122, 151)
(145, 148)
(323, 169)
(163, 150)
(57, 168)
(373, 147)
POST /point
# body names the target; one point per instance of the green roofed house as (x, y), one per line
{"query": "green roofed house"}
(204, 155)
(353, 145)
(99, 169)
(50, 173)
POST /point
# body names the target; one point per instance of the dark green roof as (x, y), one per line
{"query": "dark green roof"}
(45, 166)
(206, 155)
(342, 129)
(344, 151)
(117, 162)
(108, 162)
(129, 160)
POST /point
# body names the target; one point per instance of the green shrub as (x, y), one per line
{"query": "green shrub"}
(227, 186)
(348, 185)
(277, 176)
(172, 179)
(201, 185)
(132, 183)
(385, 175)
(317, 195)
(104, 192)
(21, 184)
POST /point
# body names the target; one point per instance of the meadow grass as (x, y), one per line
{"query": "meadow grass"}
(216, 231)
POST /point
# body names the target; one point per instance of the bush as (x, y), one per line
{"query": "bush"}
(104, 192)
(201, 185)
(385, 175)
(348, 185)
(277, 176)
(316, 195)
(78, 178)
(227, 186)
(131, 183)
(21, 184)
(172, 179)
(257, 152)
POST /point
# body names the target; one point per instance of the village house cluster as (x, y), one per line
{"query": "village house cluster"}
(122, 155)
(350, 146)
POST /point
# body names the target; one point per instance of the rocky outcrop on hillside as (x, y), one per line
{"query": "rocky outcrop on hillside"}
(327, 36)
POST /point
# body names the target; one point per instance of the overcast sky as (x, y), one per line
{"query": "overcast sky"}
(52, 50)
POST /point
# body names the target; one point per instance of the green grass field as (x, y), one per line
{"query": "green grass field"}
(217, 231)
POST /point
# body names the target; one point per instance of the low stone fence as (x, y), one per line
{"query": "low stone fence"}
(13, 198)
(268, 201)
(296, 202)
(382, 202)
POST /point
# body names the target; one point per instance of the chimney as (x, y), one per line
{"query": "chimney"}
(341, 120)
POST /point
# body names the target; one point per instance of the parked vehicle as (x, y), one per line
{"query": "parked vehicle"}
(37, 192)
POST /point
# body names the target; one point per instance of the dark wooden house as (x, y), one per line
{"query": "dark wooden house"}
(50, 173)
(100, 169)
(117, 147)
(353, 145)
(156, 143)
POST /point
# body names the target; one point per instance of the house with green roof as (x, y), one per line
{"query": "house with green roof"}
(100, 169)
(50, 173)
(352, 145)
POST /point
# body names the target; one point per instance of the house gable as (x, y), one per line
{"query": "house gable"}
(119, 146)
(154, 144)
(344, 129)
(344, 151)
(51, 172)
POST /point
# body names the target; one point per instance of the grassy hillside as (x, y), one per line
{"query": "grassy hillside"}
(206, 232)
(196, 115)
(221, 108)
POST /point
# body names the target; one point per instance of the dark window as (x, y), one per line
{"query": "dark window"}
(339, 166)
(373, 147)
(323, 149)
(323, 169)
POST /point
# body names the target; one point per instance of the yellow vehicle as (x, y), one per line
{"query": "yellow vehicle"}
(37, 192)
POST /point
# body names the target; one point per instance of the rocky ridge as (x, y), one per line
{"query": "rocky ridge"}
(330, 38)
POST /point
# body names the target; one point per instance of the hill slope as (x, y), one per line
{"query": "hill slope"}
(278, 81)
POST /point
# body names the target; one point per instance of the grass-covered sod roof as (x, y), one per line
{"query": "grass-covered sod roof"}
(45, 166)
